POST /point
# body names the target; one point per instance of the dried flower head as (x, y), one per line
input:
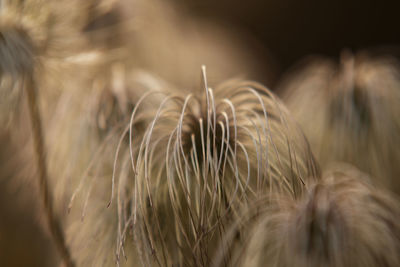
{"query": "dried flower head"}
(342, 221)
(182, 170)
(350, 113)
(199, 161)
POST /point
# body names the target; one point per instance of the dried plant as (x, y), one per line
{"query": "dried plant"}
(342, 221)
(350, 113)
(182, 171)
(198, 161)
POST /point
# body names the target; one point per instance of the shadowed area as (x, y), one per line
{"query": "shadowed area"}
(22, 240)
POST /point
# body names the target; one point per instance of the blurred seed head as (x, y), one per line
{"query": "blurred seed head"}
(350, 112)
(341, 221)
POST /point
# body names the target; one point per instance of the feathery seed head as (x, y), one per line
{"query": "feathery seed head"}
(341, 221)
(202, 158)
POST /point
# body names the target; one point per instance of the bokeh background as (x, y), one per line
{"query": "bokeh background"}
(292, 30)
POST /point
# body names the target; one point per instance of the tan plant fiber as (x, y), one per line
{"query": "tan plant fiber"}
(341, 221)
(350, 113)
(199, 160)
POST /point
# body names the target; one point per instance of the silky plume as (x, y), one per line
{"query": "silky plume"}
(341, 221)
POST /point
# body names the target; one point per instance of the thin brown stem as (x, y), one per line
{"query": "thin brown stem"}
(54, 223)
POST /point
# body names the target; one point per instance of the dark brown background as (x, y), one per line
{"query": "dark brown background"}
(292, 30)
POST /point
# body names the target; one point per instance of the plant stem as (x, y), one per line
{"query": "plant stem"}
(53, 222)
